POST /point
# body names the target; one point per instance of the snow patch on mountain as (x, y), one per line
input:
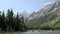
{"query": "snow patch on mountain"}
(47, 3)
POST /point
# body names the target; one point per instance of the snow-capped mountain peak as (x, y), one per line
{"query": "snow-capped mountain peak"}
(25, 14)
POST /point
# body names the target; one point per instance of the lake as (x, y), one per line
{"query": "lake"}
(54, 32)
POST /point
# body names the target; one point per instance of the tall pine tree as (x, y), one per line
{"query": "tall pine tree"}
(10, 19)
(3, 22)
(17, 23)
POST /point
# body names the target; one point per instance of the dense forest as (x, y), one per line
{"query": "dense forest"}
(11, 22)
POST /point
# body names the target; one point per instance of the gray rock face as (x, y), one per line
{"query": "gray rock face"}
(55, 6)
(25, 14)
(40, 17)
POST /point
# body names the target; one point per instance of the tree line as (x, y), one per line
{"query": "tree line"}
(11, 22)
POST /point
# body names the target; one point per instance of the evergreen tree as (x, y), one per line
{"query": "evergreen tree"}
(0, 21)
(22, 24)
(10, 19)
(3, 22)
(11, 23)
(17, 23)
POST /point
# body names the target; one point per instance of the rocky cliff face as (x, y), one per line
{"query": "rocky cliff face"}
(48, 13)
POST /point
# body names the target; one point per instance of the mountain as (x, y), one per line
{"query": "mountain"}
(26, 15)
(49, 14)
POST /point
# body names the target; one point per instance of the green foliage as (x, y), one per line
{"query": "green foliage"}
(11, 23)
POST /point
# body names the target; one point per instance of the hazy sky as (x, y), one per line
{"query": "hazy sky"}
(22, 5)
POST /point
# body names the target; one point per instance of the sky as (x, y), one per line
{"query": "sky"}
(22, 5)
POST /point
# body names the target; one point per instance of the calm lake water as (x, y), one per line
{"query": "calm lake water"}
(54, 32)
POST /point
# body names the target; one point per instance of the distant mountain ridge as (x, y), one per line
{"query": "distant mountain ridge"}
(48, 13)
(25, 15)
